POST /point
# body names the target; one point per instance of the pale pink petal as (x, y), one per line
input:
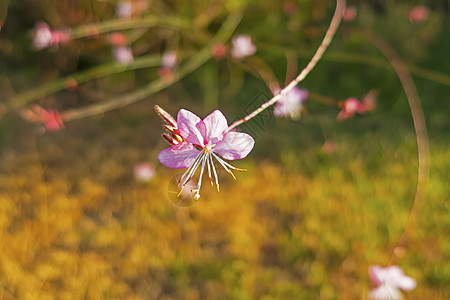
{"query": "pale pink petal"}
(216, 124)
(395, 276)
(375, 273)
(406, 283)
(189, 127)
(178, 156)
(385, 291)
(235, 145)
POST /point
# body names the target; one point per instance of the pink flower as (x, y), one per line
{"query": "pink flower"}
(42, 35)
(169, 59)
(124, 9)
(51, 119)
(419, 14)
(123, 55)
(388, 282)
(349, 13)
(219, 51)
(144, 172)
(291, 104)
(351, 106)
(242, 46)
(117, 39)
(45, 37)
(201, 142)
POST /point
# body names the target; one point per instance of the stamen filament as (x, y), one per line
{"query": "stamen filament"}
(215, 172)
(224, 166)
(228, 165)
(191, 170)
(209, 168)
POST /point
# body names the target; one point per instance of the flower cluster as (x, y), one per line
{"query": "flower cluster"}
(291, 104)
(388, 282)
(242, 46)
(351, 106)
(196, 142)
(50, 119)
(128, 9)
(123, 55)
(144, 172)
(45, 37)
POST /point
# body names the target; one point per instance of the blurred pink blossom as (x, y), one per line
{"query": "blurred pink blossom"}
(124, 9)
(127, 9)
(419, 14)
(45, 37)
(328, 147)
(117, 39)
(123, 54)
(388, 282)
(350, 13)
(144, 172)
(219, 51)
(169, 59)
(51, 119)
(164, 72)
(291, 104)
(351, 106)
(242, 46)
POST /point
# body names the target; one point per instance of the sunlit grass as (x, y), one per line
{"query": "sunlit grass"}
(75, 225)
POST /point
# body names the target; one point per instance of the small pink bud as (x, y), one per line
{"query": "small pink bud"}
(219, 51)
(242, 46)
(123, 55)
(124, 9)
(144, 172)
(164, 72)
(53, 121)
(42, 35)
(350, 13)
(419, 14)
(169, 59)
(117, 39)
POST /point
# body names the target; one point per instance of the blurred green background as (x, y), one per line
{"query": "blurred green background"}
(321, 201)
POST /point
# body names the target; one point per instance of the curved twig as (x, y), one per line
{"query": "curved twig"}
(340, 6)
(418, 120)
(196, 61)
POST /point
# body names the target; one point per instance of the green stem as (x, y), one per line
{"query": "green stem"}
(120, 24)
(196, 61)
(81, 77)
(364, 60)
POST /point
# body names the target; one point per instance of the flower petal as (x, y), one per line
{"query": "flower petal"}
(216, 124)
(187, 123)
(385, 291)
(376, 274)
(395, 276)
(178, 156)
(235, 145)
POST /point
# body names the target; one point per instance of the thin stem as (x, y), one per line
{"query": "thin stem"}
(196, 61)
(356, 58)
(81, 77)
(418, 121)
(340, 6)
(121, 24)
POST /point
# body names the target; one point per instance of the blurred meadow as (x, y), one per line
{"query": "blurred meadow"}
(320, 202)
